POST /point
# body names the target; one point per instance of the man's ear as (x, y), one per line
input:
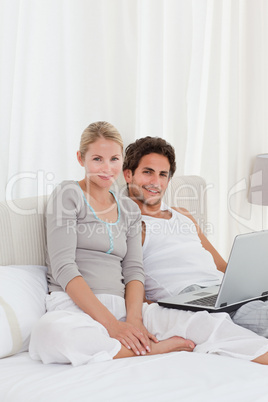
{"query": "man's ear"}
(79, 158)
(127, 175)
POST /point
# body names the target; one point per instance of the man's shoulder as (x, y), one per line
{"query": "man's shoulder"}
(184, 212)
(181, 210)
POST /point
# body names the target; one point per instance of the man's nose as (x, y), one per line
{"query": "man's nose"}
(155, 180)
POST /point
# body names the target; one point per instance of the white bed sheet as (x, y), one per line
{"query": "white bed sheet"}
(170, 377)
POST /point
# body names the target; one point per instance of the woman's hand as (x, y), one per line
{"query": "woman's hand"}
(131, 334)
(134, 300)
(148, 337)
(135, 337)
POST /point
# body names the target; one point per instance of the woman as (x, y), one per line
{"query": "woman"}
(95, 308)
(94, 260)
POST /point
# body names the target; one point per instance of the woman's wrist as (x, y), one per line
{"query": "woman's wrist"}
(132, 317)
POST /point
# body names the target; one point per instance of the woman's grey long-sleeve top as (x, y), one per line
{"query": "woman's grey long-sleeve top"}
(107, 255)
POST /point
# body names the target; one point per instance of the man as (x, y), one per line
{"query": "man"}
(177, 255)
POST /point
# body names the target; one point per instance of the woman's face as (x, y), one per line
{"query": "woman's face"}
(103, 162)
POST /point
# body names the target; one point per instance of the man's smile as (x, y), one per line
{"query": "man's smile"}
(152, 190)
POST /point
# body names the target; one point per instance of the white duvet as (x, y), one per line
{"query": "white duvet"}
(177, 376)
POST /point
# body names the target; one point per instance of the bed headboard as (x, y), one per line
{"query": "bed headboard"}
(22, 233)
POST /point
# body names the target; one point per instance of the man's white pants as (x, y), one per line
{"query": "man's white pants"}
(254, 316)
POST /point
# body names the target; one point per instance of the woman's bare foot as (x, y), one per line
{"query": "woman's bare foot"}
(173, 344)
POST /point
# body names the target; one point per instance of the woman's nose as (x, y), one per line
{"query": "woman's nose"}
(106, 166)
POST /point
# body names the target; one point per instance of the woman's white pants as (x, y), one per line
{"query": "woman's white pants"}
(65, 334)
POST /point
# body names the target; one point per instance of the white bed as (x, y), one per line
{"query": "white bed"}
(168, 377)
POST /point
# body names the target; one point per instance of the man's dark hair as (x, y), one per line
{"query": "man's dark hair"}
(145, 146)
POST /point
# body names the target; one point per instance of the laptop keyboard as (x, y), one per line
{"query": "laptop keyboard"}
(204, 301)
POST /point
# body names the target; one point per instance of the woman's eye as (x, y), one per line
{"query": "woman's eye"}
(115, 158)
(96, 159)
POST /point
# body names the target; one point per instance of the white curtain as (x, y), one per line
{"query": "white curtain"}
(193, 72)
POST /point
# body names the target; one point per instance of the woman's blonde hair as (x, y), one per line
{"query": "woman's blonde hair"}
(100, 129)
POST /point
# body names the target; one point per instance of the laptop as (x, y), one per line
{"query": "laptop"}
(245, 279)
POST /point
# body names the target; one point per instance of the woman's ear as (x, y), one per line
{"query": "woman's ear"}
(127, 175)
(79, 158)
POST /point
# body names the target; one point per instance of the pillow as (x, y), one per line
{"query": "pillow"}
(22, 302)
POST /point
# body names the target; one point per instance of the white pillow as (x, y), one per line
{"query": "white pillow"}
(22, 302)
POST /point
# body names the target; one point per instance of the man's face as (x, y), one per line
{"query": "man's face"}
(149, 182)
